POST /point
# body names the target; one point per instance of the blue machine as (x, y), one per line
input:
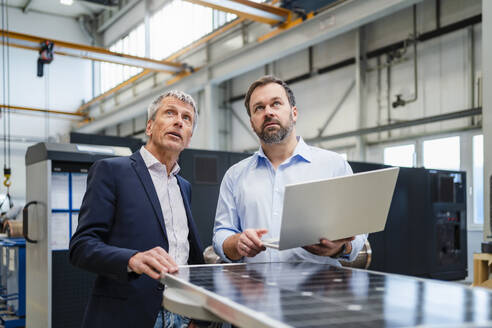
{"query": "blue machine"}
(13, 282)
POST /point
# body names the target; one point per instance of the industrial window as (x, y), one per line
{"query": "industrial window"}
(220, 18)
(174, 26)
(132, 44)
(171, 28)
(478, 179)
(403, 155)
(443, 153)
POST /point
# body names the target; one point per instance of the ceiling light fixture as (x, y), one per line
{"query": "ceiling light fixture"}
(66, 2)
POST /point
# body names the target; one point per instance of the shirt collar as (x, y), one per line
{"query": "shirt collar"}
(151, 161)
(301, 151)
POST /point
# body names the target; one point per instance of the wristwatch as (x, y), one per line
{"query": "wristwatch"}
(341, 253)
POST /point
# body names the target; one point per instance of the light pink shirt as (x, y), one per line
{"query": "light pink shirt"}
(172, 206)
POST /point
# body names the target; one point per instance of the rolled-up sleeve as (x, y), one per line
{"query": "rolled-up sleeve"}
(226, 219)
(357, 245)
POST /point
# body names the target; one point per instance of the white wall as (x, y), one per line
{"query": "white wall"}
(443, 74)
(67, 81)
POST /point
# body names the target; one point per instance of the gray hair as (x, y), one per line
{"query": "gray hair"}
(180, 95)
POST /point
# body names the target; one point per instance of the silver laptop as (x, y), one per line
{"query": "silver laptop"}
(335, 208)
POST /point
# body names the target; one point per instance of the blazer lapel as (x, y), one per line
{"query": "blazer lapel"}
(184, 195)
(195, 256)
(144, 176)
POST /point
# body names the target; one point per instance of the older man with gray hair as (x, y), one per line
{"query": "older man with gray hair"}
(135, 222)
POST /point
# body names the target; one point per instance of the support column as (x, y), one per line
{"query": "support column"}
(147, 28)
(487, 113)
(361, 90)
(209, 119)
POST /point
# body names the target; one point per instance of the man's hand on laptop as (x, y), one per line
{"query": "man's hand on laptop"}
(330, 248)
(245, 244)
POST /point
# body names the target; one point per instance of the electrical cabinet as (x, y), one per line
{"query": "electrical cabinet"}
(204, 169)
(425, 233)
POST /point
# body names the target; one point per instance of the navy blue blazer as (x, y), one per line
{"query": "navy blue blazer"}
(120, 216)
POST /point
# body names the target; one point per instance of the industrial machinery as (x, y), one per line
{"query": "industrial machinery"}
(13, 282)
(57, 292)
(425, 233)
(204, 169)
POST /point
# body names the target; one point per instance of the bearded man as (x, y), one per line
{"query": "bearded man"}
(252, 191)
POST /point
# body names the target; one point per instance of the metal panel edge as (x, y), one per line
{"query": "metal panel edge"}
(38, 259)
(225, 308)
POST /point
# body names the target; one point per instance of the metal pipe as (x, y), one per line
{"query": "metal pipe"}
(384, 65)
(83, 28)
(260, 12)
(337, 108)
(438, 14)
(479, 92)
(399, 100)
(415, 57)
(48, 111)
(378, 93)
(27, 6)
(241, 122)
(116, 16)
(388, 90)
(400, 125)
(23, 139)
(472, 70)
(311, 60)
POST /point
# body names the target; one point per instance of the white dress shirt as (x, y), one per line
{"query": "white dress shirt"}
(252, 195)
(172, 206)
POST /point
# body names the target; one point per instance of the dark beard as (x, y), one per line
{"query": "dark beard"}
(275, 137)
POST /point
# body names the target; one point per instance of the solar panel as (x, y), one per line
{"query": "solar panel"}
(320, 295)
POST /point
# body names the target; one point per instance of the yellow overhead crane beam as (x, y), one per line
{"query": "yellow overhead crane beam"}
(259, 12)
(49, 111)
(31, 42)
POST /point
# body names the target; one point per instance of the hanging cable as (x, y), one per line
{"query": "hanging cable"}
(6, 97)
(8, 89)
(4, 88)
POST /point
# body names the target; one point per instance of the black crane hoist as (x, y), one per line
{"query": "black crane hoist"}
(45, 55)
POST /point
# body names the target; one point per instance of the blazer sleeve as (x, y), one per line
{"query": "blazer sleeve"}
(89, 248)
